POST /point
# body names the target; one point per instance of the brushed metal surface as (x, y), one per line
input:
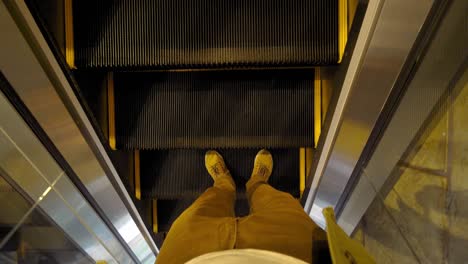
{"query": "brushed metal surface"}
(387, 35)
(22, 155)
(19, 162)
(86, 214)
(29, 65)
(447, 56)
(64, 217)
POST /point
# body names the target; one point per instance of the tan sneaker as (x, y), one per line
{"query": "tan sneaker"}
(215, 165)
(263, 166)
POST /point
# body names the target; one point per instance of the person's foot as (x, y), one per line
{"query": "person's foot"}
(215, 165)
(263, 166)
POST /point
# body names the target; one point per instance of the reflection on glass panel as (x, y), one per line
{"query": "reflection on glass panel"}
(425, 201)
(28, 236)
(420, 213)
(380, 234)
(13, 207)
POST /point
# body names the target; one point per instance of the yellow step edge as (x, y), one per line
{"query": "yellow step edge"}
(305, 166)
(317, 106)
(136, 158)
(302, 170)
(309, 156)
(69, 38)
(253, 68)
(306, 154)
(342, 27)
(352, 6)
(154, 206)
(111, 110)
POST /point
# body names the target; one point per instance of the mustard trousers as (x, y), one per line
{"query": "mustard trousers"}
(277, 222)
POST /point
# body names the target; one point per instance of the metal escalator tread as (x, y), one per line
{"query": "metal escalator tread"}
(216, 109)
(181, 174)
(210, 33)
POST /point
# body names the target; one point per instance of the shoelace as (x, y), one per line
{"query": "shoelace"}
(219, 169)
(261, 170)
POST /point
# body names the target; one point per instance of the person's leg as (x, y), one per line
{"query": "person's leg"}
(277, 222)
(209, 224)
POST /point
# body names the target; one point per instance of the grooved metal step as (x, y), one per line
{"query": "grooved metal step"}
(205, 34)
(178, 173)
(216, 109)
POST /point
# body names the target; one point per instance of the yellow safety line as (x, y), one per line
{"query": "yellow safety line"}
(137, 174)
(352, 6)
(342, 27)
(305, 154)
(342, 248)
(317, 106)
(69, 42)
(327, 92)
(302, 170)
(111, 110)
(309, 154)
(155, 215)
(228, 69)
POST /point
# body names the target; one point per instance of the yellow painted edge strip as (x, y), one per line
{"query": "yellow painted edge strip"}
(155, 215)
(317, 106)
(137, 174)
(309, 153)
(352, 6)
(302, 170)
(229, 69)
(342, 27)
(69, 38)
(343, 249)
(111, 110)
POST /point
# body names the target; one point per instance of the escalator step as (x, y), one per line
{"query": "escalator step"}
(180, 173)
(209, 33)
(218, 109)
